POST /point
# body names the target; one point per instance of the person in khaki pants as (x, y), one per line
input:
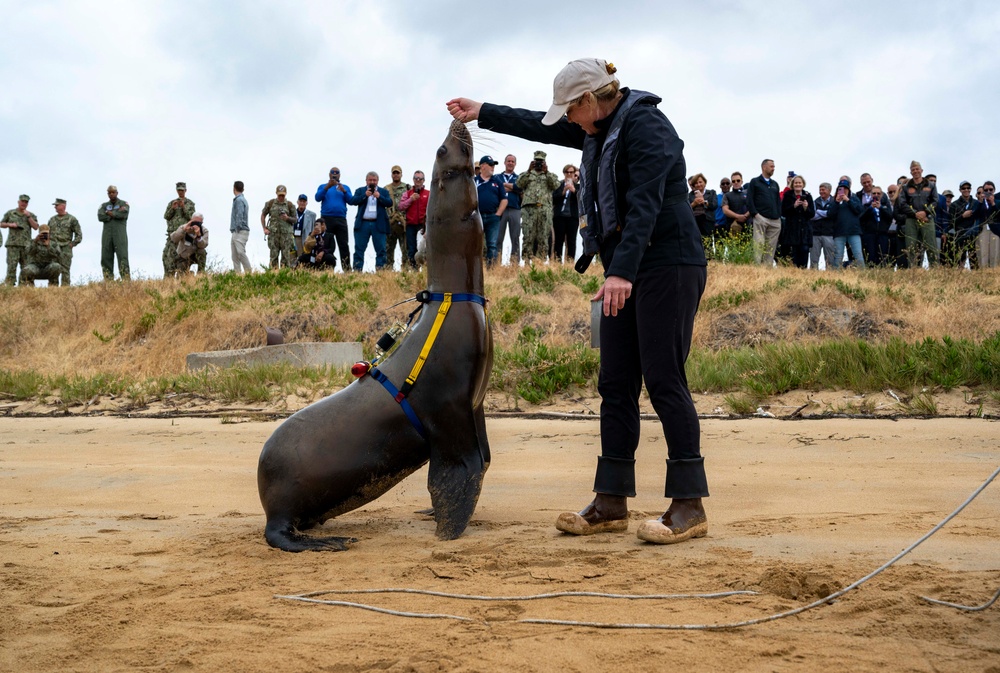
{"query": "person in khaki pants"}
(239, 226)
(764, 203)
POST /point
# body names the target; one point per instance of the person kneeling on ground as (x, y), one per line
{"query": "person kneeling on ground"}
(44, 259)
(189, 239)
(317, 248)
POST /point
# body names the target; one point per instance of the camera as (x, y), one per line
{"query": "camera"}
(538, 164)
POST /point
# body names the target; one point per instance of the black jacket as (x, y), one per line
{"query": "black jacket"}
(797, 229)
(557, 202)
(654, 231)
(872, 224)
(764, 198)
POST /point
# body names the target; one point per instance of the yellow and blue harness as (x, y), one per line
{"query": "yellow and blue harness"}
(400, 394)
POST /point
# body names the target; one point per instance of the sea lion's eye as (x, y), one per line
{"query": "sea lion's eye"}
(442, 151)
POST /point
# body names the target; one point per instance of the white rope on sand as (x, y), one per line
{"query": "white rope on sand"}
(967, 608)
(670, 627)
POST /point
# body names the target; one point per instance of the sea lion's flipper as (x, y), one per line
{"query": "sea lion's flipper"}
(455, 478)
(285, 537)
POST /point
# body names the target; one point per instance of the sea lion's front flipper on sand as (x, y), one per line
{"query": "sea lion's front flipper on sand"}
(455, 478)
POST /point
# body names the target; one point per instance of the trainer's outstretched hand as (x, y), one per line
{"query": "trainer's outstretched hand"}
(464, 109)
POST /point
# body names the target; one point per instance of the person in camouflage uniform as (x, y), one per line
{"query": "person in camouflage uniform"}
(178, 213)
(536, 207)
(114, 238)
(19, 222)
(65, 230)
(44, 259)
(397, 221)
(280, 214)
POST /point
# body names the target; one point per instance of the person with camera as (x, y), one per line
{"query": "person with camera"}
(876, 221)
(43, 259)
(959, 244)
(280, 214)
(845, 211)
(633, 197)
(414, 206)
(65, 230)
(178, 213)
(189, 240)
(536, 185)
(333, 198)
(703, 203)
(989, 240)
(316, 248)
(371, 222)
(18, 222)
(566, 215)
(798, 209)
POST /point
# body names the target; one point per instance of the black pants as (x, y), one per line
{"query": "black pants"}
(338, 226)
(565, 229)
(649, 340)
(328, 260)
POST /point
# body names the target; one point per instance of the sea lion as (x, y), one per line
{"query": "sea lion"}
(350, 448)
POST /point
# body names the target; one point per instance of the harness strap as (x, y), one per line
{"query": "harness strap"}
(428, 344)
(400, 398)
(399, 395)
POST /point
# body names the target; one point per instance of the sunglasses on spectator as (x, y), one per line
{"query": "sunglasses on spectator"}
(988, 189)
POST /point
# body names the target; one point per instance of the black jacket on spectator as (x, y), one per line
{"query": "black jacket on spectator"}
(847, 216)
(876, 218)
(989, 216)
(705, 215)
(964, 227)
(557, 202)
(736, 201)
(764, 198)
(797, 229)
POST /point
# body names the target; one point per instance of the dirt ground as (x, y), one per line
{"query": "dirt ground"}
(135, 544)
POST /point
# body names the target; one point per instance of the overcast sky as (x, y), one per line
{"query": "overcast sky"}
(142, 94)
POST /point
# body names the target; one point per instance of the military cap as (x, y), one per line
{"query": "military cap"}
(540, 155)
(397, 169)
(24, 197)
(43, 228)
(58, 201)
(281, 190)
(182, 185)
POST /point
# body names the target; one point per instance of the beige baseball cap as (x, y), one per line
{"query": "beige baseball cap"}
(576, 79)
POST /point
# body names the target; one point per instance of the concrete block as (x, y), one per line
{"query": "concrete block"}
(314, 354)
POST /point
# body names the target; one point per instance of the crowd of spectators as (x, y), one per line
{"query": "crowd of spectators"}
(906, 225)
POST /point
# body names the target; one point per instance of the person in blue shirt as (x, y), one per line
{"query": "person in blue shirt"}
(371, 222)
(492, 203)
(333, 198)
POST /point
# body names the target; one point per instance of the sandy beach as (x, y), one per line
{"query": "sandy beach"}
(132, 544)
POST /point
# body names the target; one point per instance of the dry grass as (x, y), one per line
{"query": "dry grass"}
(146, 328)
